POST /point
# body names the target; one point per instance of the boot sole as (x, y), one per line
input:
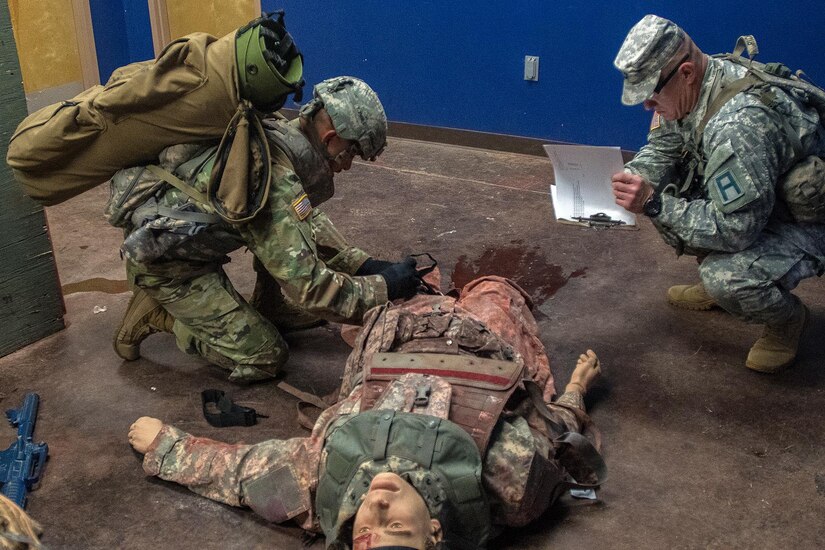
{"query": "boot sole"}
(693, 306)
(127, 352)
(769, 370)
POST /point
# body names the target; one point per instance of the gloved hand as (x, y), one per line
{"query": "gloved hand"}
(402, 279)
(373, 267)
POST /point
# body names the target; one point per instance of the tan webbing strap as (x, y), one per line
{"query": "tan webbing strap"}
(478, 372)
(305, 399)
(310, 398)
(766, 97)
(724, 96)
(537, 398)
(97, 284)
(746, 43)
(177, 183)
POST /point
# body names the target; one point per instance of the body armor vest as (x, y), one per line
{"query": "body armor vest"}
(307, 162)
(480, 387)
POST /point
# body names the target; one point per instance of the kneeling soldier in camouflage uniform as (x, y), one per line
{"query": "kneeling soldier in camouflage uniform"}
(724, 177)
(180, 225)
(445, 427)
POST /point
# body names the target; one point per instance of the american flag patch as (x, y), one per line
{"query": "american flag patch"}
(302, 206)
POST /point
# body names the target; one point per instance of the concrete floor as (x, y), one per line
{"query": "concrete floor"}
(702, 452)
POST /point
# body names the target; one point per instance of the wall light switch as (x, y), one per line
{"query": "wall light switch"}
(531, 67)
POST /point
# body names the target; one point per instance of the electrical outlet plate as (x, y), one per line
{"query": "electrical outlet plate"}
(531, 67)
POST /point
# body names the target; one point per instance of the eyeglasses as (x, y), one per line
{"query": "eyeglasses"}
(347, 154)
(663, 82)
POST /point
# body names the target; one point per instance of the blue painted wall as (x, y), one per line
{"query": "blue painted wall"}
(460, 64)
(122, 33)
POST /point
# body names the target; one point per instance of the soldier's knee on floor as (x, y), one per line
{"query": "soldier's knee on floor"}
(264, 365)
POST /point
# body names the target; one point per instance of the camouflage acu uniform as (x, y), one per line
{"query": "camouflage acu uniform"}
(514, 463)
(302, 250)
(752, 254)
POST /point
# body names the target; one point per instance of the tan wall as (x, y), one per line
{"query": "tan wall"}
(46, 43)
(216, 17)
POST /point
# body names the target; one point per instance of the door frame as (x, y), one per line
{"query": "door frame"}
(85, 43)
(159, 20)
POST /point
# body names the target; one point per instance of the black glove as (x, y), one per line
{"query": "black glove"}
(402, 279)
(372, 267)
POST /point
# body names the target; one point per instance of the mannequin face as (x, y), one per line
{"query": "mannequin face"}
(393, 514)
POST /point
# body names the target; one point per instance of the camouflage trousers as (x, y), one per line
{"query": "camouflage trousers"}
(212, 320)
(755, 284)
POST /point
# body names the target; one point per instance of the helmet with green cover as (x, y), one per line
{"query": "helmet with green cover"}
(270, 67)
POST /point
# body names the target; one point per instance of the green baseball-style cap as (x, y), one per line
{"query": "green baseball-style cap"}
(647, 48)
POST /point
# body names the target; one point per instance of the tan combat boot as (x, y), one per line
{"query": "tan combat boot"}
(779, 344)
(144, 316)
(693, 297)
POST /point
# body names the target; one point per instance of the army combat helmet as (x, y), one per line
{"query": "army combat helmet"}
(270, 67)
(355, 110)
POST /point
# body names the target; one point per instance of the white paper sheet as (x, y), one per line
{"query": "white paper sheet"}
(582, 186)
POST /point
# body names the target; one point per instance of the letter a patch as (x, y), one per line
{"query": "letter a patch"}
(729, 189)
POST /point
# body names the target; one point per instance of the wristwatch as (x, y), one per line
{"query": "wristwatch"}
(652, 206)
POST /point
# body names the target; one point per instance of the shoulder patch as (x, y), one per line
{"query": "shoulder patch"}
(655, 122)
(728, 188)
(727, 180)
(302, 206)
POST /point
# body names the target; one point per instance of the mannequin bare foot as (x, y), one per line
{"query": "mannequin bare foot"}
(143, 432)
(587, 370)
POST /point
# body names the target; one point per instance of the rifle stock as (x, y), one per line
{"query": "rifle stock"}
(21, 465)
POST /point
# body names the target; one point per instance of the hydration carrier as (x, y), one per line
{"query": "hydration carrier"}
(802, 188)
(153, 220)
(131, 189)
(189, 94)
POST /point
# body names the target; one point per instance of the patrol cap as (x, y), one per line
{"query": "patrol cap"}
(647, 48)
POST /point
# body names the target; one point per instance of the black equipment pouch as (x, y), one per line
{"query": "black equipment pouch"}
(230, 414)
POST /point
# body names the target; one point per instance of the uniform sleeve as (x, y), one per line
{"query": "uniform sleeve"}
(659, 159)
(745, 147)
(225, 472)
(333, 247)
(287, 245)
